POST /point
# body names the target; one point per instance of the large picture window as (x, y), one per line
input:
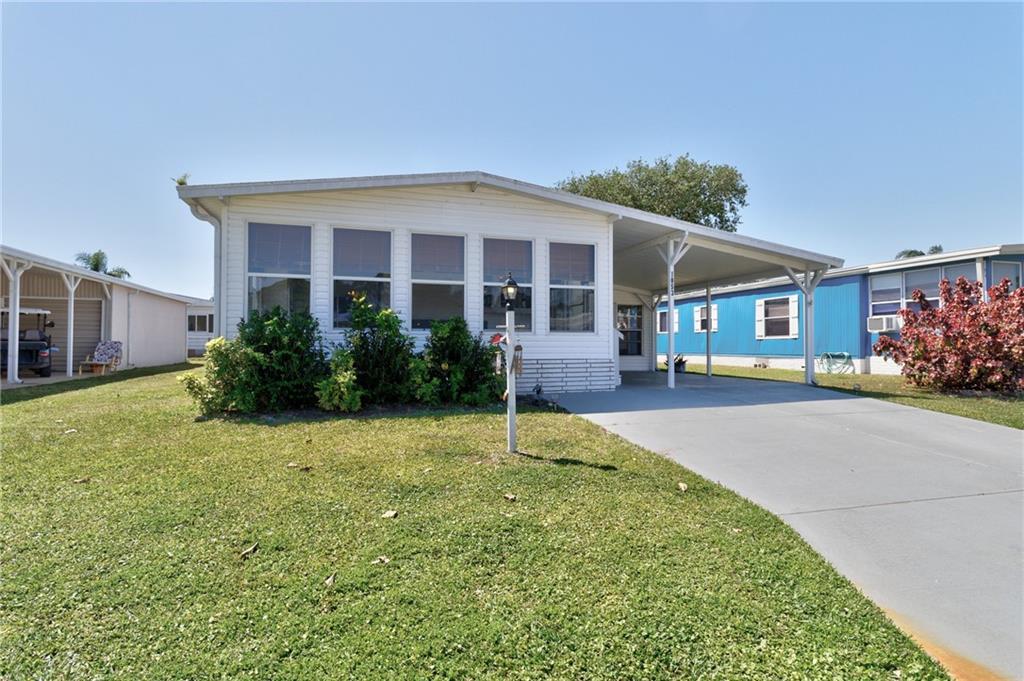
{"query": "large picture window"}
(1006, 270)
(572, 287)
(501, 257)
(362, 266)
(927, 281)
(438, 278)
(629, 322)
(279, 267)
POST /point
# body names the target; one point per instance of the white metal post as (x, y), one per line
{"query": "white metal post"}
(707, 333)
(808, 329)
(510, 374)
(14, 270)
(670, 352)
(810, 282)
(674, 251)
(71, 282)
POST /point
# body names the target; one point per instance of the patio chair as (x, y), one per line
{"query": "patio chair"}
(106, 355)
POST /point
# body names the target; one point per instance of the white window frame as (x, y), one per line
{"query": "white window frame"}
(446, 282)
(663, 316)
(1017, 265)
(592, 287)
(698, 317)
(871, 294)
(531, 285)
(340, 277)
(760, 327)
(249, 275)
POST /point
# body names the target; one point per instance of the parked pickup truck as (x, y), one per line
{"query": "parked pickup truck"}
(35, 349)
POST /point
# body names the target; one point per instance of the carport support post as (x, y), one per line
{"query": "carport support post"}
(707, 332)
(71, 282)
(810, 282)
(673, 252)
(14, 269)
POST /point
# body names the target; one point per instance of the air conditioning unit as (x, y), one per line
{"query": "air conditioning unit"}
(884, 323)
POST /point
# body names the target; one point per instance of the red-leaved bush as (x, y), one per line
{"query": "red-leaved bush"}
(966, 344)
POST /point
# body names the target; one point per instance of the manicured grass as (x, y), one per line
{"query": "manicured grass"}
(1005, 411)
(124, 521)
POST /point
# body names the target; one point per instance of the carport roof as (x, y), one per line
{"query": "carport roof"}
(42, 262)
(715, 257)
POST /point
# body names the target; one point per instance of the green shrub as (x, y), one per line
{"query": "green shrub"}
(230, 382)
(275, 363)
(426, 389)
(461, 364)
(340, 390)
(380, 353)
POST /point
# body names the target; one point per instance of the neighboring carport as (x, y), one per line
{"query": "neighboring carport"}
(85, 308)
(923, 511)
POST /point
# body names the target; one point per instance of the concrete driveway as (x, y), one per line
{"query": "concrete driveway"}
(923, 511)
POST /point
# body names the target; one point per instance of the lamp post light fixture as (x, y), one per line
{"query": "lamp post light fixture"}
(509, 290)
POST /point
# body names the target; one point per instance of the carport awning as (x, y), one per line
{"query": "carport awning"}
(714, 258)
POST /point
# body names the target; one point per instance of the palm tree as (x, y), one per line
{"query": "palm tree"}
(97, 262)
(914, 253)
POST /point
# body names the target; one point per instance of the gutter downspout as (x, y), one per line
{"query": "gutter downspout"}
(200, 212)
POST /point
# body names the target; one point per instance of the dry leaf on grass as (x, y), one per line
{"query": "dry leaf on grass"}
(248, 553)
(70, 430)
(330, 580)
(510, 497)
(380, 560)
(389, 514)
(683, 487)
(79, 481)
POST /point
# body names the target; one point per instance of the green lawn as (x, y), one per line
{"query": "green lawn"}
(124, 520)
(1005, 411)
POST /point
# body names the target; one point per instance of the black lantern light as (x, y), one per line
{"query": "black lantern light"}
(509, 291)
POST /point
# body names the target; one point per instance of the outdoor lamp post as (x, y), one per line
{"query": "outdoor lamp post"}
(509, 291)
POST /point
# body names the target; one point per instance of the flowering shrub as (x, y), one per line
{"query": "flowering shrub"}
(966, 344)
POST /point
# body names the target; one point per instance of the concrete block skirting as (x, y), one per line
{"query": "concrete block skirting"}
(568, 375)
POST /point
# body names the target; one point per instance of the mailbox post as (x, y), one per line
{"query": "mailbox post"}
(509, 291)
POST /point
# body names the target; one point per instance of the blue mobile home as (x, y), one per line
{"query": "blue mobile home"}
(760, 324)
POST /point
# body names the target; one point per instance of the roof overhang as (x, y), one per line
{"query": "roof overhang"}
(715, 257)
(44, 263)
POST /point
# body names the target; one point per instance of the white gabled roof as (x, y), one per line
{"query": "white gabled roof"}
(57, 266)
(641, 225)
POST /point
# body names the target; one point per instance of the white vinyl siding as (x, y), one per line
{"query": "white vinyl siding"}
(771, 312)
(455, 210)
(699, 315)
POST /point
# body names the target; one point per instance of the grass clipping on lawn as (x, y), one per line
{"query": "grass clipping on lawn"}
(147, 544)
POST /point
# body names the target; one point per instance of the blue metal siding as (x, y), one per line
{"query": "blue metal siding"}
(838, 322)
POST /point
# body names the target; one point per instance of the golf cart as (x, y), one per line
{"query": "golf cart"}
(34, 344)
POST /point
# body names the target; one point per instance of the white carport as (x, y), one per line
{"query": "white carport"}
(659, 257)
(91, 307)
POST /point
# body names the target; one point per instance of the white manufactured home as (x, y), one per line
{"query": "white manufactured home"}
(199, 325)
(86, 307)
(438, 245)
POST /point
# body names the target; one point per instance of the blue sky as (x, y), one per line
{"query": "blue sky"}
(861, 129)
